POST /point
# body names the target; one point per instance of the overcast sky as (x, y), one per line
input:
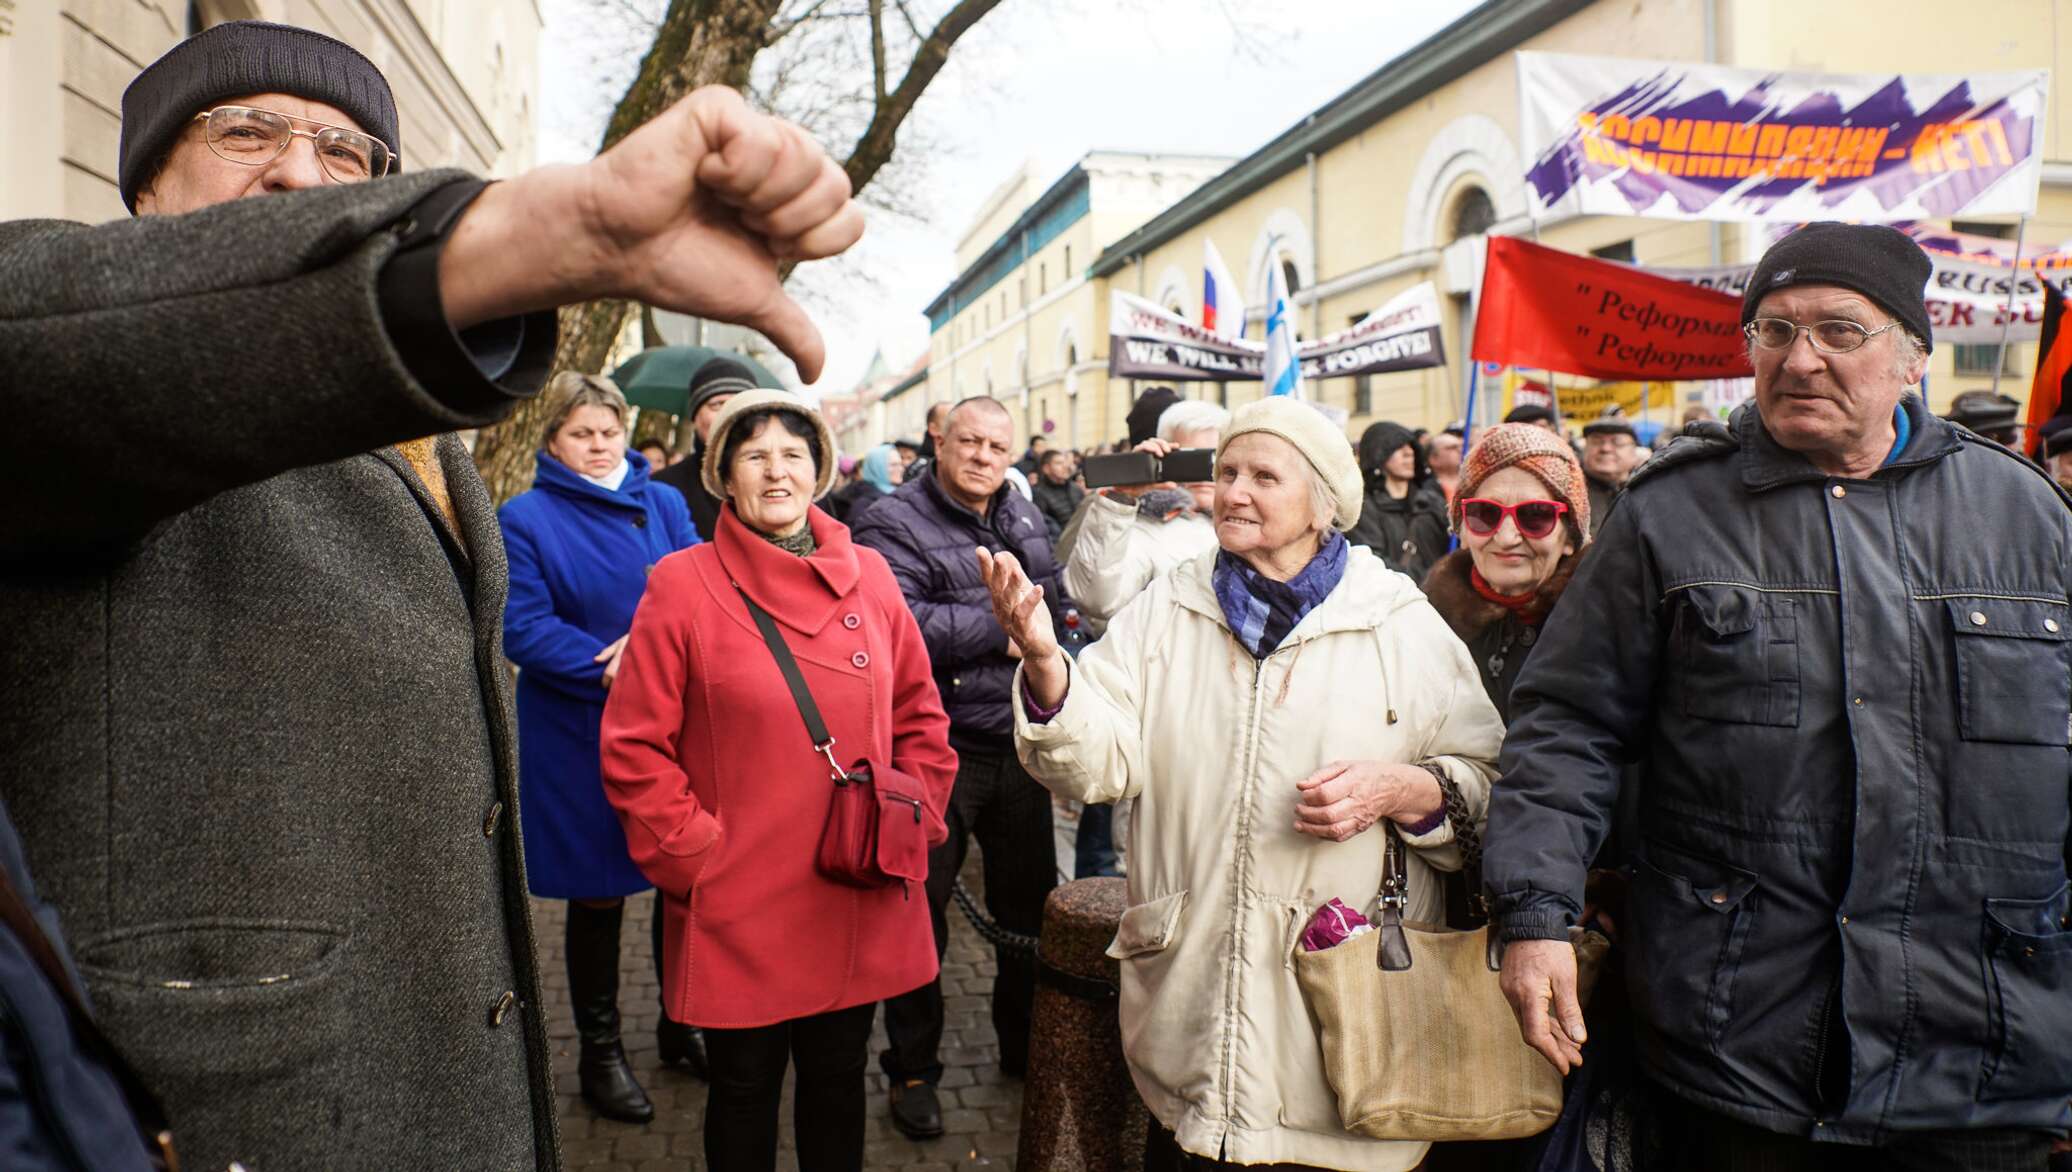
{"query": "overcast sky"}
(1046, 81)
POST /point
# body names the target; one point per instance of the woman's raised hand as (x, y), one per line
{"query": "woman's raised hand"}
(1018, 606)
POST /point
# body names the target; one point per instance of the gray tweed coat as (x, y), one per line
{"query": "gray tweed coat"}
(257, 731)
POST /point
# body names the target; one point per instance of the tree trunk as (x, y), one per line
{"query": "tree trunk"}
(710, 42)
(700, 42)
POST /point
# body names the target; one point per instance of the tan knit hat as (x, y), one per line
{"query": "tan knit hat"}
(1539, 451)
(748, 401)
(1314, 435)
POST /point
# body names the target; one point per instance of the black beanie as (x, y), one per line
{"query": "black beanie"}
(719, 376)
(1143, 416)
(1881, 263)
(233, 60)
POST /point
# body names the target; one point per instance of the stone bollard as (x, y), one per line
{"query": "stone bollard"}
(1080, 1112)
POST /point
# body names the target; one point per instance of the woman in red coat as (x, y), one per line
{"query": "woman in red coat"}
(723, 797)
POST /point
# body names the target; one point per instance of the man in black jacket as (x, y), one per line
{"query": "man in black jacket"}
(1055, 493)
(260, 748)
(930, 531)
(1850, 922)
(715, 382)
(1609, 447)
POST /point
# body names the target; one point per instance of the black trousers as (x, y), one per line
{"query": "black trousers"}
(830, 1051)
(1698, 1140)
(996, 801)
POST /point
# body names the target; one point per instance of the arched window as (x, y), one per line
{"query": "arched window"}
(1473, 214)
(1291, 276)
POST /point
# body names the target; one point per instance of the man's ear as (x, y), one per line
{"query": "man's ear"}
(147, 195)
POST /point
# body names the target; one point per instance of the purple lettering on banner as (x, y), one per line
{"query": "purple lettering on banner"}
(1784, 140)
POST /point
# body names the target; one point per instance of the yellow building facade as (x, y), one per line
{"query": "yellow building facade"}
(1400, 180)
(1023, 322)
(465, 75)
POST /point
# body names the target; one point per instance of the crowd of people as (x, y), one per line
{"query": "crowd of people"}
(1770, 706)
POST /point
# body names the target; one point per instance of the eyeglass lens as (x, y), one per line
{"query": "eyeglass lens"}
(1833, 336)
(1535, 519)
(245, 135)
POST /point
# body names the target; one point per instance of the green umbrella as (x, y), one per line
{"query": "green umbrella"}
(660, 379)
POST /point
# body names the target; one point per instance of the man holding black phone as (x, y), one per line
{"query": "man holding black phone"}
(1150, 511)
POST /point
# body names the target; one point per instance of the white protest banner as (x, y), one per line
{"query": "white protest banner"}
(1148, 341)
(1612, 136)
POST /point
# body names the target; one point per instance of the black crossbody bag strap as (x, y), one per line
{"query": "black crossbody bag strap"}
(816, 728)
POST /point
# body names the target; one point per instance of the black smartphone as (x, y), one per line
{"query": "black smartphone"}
(1181, 466)
(1121, 468)
(1189, 465)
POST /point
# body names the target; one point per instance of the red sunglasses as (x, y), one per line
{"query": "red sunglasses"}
(1535, 519)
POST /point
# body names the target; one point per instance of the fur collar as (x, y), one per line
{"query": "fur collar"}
(1470, 614)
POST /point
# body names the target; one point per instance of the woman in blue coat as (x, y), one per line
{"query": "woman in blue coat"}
(580, 544)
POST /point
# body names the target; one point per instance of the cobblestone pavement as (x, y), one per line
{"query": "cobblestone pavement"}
(981, 1107)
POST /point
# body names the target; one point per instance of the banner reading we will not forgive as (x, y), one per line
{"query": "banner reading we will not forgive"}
(1545, 309)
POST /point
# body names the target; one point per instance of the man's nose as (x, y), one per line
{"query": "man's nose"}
(1802, 357)
(295, 169)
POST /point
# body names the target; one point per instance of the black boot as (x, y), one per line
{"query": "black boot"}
(593, 992)
(679, 1044)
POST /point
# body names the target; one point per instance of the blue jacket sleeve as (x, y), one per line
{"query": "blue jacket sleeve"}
(677, 516)
(1581, 711)
(535, 638)
(955, 633)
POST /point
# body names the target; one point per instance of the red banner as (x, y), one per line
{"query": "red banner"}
(1544, 309)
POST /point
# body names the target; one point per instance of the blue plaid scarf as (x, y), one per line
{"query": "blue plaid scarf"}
(1261, 611)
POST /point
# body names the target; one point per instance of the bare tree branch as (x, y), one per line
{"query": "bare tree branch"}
(782, 28)
(875, 145)
(877, 10)
(913, 26)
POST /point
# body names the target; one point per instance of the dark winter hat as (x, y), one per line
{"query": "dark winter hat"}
(2057, 435)
(1984, 411)
(1529, 413)
(1612, 426)
(238, 58)
(1143, 417)
(720, 376)
(1881, 263)
(1381, 441)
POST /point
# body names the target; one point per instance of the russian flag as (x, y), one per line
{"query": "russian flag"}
(1222, 306)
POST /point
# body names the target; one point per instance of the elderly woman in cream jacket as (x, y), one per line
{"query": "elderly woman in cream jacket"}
(1266, 703)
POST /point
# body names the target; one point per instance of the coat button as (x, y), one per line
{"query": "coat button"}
(860, 659)
(1839, 491)
(502, 1009)
(2051, 625)
(1978, 618)
(640, 522)
(1719, 897)
(489, 820)
(852, 622)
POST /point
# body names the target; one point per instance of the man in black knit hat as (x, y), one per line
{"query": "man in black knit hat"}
(711, 386)
(1847, 696)
(260, 750)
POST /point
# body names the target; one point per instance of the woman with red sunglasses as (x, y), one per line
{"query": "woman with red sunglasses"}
(1522, 511)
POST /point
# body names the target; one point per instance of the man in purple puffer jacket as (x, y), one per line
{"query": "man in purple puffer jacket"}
(929, 530)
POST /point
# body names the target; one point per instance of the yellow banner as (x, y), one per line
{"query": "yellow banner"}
(1582, 400)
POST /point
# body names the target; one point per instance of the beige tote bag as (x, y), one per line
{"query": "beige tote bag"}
(1418, 1040)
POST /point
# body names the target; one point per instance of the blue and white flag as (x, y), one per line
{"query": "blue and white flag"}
(1283, 368)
